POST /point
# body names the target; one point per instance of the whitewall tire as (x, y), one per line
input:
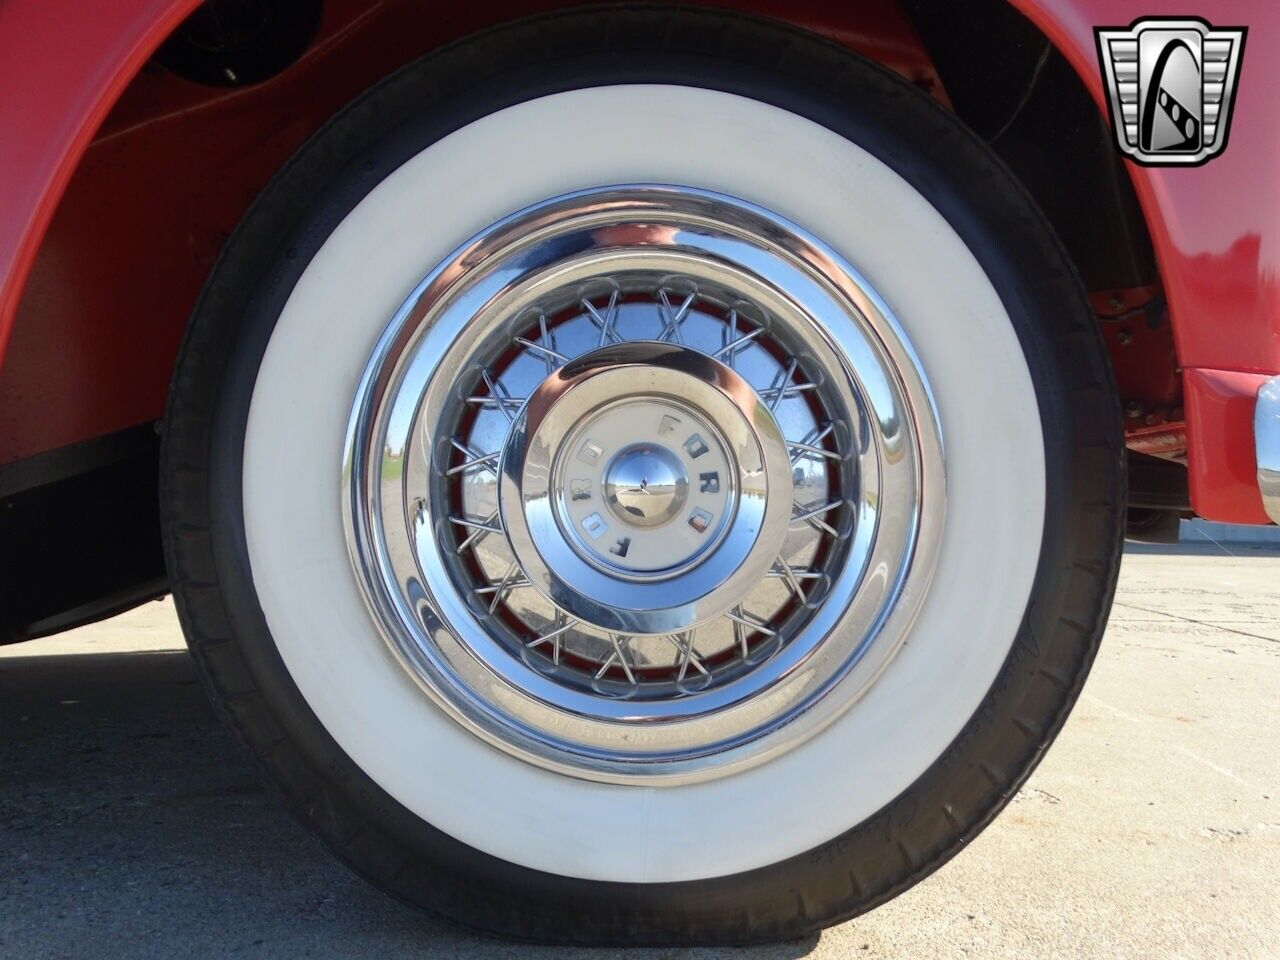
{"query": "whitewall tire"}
(403, 736)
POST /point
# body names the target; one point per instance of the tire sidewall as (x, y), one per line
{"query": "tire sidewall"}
(206, 544)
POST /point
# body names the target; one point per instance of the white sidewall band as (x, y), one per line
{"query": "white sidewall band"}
(554, 145)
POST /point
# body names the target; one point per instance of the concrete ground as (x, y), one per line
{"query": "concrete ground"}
(132, 826)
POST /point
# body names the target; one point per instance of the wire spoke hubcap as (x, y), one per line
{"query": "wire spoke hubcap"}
(637, 478)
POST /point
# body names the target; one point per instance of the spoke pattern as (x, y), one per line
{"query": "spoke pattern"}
(607, 321)
(790, 573)
(733, 342)
(478, 529)
(552, 357)
(810, 447)
(673, 316)
(753, 638)
(474, 459)
(555, 636)
(796, 578)
(742, 618)
(683, 642)
(793, 581)
(547, 344)
(507, 584)
(506, 404)
(814, 516)
(620, 643)
(504, 586)
(782, 387)
(739, 632)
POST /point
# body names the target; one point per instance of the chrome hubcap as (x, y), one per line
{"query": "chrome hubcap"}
(637, 479)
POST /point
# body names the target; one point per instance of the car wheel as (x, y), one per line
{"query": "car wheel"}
(644, 476)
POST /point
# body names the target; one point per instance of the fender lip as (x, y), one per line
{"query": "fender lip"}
(1266, 441)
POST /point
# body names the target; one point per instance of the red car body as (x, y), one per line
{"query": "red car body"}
(548, 767)
(119, 182)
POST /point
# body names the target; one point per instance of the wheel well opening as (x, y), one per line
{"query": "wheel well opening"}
(1014, 88)
(241, 85)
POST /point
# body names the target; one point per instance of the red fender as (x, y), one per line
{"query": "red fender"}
(1215, 228)
(1216, 234)
(61, 71)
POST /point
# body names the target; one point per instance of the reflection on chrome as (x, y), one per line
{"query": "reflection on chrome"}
(1266, 432)
(643, 483)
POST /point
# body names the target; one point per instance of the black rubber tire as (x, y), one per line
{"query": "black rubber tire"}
(205, 425)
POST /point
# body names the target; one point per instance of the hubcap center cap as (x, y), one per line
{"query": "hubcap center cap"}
(646, 485)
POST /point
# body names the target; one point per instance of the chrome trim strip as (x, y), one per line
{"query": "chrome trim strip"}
(1266, 441)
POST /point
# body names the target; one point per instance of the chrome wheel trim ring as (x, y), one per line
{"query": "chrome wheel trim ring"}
(892, 486)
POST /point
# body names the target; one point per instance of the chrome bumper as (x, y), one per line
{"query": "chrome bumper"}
(1266, 439)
